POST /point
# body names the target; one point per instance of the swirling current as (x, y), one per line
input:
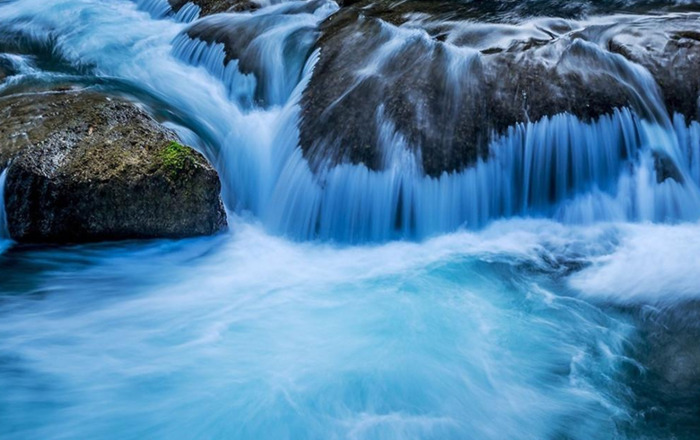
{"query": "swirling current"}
(546, 289)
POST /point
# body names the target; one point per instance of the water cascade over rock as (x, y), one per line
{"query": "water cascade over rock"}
(4, 230)
(410, 125)
(185, 13)
(522, 177)
(361, 122)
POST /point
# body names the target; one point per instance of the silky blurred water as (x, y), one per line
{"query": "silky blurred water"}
(305, 321)
(247, 336)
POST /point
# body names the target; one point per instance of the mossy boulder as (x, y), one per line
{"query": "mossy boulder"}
(85, 167)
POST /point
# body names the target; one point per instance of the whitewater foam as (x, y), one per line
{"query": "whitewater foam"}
(653, 264)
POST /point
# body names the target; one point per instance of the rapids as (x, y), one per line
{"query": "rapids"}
(527, 296)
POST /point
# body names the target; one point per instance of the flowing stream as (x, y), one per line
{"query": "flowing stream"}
(525, 297)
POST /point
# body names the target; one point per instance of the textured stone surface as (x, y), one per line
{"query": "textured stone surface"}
(84, 167)
(426, 73)
(209, 7)
(447, 88)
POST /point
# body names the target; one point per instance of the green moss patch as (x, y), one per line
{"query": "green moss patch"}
(177, 158)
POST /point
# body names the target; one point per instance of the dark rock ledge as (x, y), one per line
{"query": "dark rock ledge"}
(564, 67)
(84, 167)
(587, 69)
(209, 7)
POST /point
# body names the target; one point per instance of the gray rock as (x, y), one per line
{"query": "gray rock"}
(446, 84)
(84, 167)
(511, 11)
(450, 89)
(6, 68)
(208, 7)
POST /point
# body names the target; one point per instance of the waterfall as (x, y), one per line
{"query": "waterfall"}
(271, 48)
(240, 86)
(558, 167)
(188, 12)
(243, 100)
(689, 141)
(161, 9)
(157, 8)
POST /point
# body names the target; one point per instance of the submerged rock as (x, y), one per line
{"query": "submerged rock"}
(6, 68)
(667, 387)
(84, 167)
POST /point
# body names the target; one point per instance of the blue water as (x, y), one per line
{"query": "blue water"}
(522, 298)
(248, 336)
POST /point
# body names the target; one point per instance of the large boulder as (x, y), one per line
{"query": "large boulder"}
(446, 87)
(444, 78)
(86, 167)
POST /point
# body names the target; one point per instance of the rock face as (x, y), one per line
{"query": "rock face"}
(443, 78)
(445, 87)
(509, 11)
(208, 7)
(84, 167)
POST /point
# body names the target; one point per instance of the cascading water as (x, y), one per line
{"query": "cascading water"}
(539, 168)
(352, 203)
(558, 167)
(524, 294)
(275, 43)
(161, 9)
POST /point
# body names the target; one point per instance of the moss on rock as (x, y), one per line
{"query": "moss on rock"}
(86, 167)
(177, 159)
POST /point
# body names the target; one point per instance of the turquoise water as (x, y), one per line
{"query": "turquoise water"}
(548, 293)
(495, 334)
(248, 336)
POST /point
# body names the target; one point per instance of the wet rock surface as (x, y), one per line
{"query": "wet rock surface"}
(511, 11)
(671, 53)
(208, 7)
(85, 167)
(445, 88)
(444, 78)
